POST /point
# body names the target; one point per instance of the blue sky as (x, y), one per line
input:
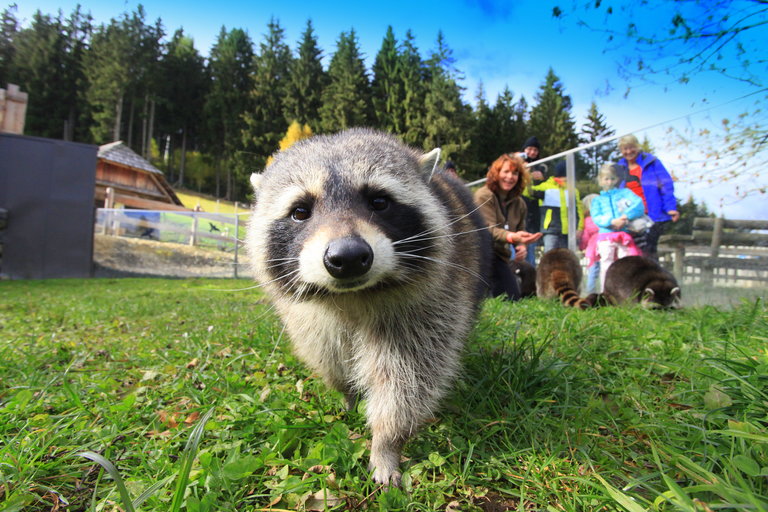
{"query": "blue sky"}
(498, 43)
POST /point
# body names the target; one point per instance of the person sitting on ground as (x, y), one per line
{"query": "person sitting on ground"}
(501, 205)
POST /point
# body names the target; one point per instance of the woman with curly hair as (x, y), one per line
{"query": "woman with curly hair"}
(501, 204)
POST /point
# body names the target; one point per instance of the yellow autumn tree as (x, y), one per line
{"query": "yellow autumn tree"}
(295, 133)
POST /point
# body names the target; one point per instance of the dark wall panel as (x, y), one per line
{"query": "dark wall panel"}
(47, 186)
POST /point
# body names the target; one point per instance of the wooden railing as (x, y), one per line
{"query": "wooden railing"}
(720, 248)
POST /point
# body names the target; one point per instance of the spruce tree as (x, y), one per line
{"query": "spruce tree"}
(122, 68)
(485, 136)
(49, 66)
(510, 117)
(413, 75)
(183, 88)
(9, 28)
(347, 98)
(551, 118)
(446, 116)
(387, 86)
(229, 66)
(306, 81)
(594, 129)
(498, 129)
(264, 120)
(108, 78)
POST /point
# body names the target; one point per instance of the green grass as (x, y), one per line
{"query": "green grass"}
(609, 409)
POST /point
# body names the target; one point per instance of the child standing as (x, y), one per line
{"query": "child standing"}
(611, 212)
(588, 244)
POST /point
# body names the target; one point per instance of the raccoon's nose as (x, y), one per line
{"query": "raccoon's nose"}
(348, 257)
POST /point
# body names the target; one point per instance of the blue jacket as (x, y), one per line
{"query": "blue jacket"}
(612, 204)
(658, 188)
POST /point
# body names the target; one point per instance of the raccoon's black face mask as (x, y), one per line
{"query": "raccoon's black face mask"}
(348, 238)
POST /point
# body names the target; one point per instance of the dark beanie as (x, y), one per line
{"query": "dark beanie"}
(532, 141)
(560, 169)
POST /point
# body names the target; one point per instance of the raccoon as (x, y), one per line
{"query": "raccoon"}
(559, 275)
(376, 266)
(525, 273)
(643, 280)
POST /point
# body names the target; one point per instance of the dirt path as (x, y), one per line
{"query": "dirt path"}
(119, 257)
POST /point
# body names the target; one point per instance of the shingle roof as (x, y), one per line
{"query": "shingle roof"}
(119, 153)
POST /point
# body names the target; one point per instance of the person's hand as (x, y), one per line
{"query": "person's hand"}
(674, 214)
(521, 251)
(620, 222)
(522, 237)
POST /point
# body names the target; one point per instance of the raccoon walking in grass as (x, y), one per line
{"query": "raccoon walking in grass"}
(376, 264)
(559, 275)
(639, 279)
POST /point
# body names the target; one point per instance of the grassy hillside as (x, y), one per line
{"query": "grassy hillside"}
(208, 204)
(608, 409)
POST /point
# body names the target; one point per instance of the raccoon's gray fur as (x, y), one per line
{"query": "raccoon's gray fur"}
(641, 279)
(377, 267)
(559, 275)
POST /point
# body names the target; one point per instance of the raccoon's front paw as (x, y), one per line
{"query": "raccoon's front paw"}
(387, 476)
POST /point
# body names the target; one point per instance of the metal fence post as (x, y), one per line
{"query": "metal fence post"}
(573, 219)
(237, 239)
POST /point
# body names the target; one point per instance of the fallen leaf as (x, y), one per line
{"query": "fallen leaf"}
(320, 501)
(192, 418)
(168, 418)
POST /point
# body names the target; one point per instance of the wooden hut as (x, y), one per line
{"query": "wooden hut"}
(123, 177)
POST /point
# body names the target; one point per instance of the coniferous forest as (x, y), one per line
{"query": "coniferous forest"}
(209, 122)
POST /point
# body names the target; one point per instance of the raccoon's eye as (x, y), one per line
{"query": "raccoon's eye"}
(379, 203)
(301, 213)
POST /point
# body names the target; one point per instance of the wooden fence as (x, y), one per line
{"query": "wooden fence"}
(219, 231)
(720, 251)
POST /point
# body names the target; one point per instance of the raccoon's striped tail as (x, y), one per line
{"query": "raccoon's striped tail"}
(570, 297)
(563, 284)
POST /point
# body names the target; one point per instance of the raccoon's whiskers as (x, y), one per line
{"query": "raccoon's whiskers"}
(437, 229)
(281, 277)
(235, 289)
(416, 250)
(436, 237)
(448, 264)
(278, 261)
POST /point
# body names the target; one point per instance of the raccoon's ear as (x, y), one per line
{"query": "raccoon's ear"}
(255, 181)
(676, 298)
(428, 163)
